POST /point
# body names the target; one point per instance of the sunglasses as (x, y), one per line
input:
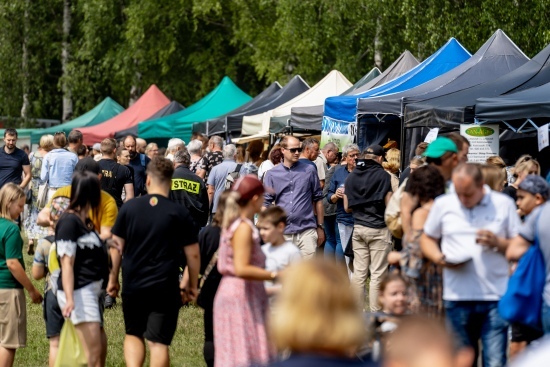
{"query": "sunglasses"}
(353, 155)
(294, 150)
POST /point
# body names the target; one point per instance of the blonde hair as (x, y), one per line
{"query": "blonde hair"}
(393, 160)
(46, 142)
(317, 311)
(9, 193)
(524, 164)
(232, 209)
(493, 176)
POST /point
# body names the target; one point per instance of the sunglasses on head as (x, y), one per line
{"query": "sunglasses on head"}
(294, 150)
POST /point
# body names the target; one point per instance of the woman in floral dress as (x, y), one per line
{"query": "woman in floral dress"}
(241, 304)
(34, 231)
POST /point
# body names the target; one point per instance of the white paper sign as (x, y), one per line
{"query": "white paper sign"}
(484, 141)
(543, 136)
(432, 135)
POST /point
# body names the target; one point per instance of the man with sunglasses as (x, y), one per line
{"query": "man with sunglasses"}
(297, 190)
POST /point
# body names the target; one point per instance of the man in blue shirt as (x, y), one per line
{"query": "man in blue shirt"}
(13, 161)
(139, 163)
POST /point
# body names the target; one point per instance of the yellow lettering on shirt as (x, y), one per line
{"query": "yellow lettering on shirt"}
(189, 186)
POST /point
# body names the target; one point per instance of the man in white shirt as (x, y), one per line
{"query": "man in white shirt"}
(473, 225)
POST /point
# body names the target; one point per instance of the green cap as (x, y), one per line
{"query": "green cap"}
(439, 147)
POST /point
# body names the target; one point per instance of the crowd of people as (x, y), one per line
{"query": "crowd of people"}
(298, 254)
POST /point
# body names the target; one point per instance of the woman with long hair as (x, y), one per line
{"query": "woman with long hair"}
(58, 165)
(13, 309)
(34, 231)
(241, 303)
(526, 165)
(84, 267)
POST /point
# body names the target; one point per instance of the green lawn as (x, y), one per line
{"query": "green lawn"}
(186, 349)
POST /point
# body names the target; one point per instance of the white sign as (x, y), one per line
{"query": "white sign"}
(432, 135)
(543, 136)
(484, 141)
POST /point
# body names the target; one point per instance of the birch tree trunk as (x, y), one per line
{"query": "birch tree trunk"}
(65, 54)
(25, 63)
(378, 45)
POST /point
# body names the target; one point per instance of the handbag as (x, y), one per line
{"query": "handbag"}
(71, 352)
(522, 302)
(42, 196)
(28, 199)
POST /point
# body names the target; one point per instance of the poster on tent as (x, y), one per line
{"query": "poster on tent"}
(484, 141)
(338, 132)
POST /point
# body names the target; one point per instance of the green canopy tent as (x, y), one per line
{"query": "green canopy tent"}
(224, 98)
(100, 113)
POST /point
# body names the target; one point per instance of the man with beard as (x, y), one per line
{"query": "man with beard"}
(13, 162)
(139, 163)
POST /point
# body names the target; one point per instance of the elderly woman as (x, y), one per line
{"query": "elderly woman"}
(58, 165)
(151, 150)
(195, 149)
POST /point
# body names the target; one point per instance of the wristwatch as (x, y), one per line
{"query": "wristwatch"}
(322, 226)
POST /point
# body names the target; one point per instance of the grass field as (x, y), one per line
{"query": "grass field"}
(186, 349)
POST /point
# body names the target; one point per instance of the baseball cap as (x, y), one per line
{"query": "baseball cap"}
(248, 186)
(440, 146)
(375, 150)
(87, 164)
(96, 146)
(535, 184)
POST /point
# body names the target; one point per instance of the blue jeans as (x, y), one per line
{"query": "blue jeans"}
(333, 247)
(545, 318)
(474, 320)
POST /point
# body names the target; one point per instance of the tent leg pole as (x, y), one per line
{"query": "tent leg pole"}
(402, 142)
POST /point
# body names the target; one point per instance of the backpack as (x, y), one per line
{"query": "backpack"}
(232, 177)
(392, 215)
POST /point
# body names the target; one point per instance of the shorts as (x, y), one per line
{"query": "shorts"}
(152, 315)
(13, 319)
(522, 333)
(88, 303)
(52, 315)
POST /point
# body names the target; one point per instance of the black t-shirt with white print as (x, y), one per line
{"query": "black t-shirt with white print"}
(155, 230)
(113, 178)
(75, 239)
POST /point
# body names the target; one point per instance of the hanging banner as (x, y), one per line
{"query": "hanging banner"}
(484, 141)
(338, 132)
(543, 136)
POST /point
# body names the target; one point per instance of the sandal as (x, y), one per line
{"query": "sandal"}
(30, 247)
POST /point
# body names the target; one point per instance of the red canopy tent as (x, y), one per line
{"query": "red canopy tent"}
(148, 104)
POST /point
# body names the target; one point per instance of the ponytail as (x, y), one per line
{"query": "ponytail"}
(232, 209)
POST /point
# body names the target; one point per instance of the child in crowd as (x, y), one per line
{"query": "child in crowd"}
(279, 252)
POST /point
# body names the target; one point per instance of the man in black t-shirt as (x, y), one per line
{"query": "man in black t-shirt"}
(147, 239)
(188, 189)
(114, 176)
(13, 162)
(139, 163)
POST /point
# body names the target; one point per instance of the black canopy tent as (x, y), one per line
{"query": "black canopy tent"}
(171, 108)
(232, 124)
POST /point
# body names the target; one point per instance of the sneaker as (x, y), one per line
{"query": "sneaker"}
(30, 248)
(109, 301)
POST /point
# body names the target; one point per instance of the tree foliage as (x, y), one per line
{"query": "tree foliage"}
(120, 47)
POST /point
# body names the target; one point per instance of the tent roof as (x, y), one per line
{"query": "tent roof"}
(171, 108)
(149, 103)
(333, 83)
(497, 57)
(217, 125)
(293, 88)
(222, 99)
(107, 109)
(458, 107)
(448, 57)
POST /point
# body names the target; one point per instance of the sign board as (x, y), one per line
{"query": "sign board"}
(340, 133)
(484, 141)
(543, 136)
(432, 135)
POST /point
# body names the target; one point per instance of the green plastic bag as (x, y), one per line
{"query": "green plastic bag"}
(71, 352)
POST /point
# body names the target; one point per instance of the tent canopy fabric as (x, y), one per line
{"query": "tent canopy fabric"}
(218, 125)
(293, 88)
(149, 103)
(497, 57)
(170, 109)
(311, 117)
(107, 109)
(222, 99)
(333, 83)
(455, 108)
(452, 54)
(199, 127)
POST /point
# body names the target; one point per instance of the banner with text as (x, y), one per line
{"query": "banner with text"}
(339, 132)
(484, 141)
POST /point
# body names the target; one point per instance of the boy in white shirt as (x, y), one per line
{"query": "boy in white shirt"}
(279, 253)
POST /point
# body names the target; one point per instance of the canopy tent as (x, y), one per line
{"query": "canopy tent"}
(456, 108)
(199, 127)
(168, 110)
(310, 117)
(452, 54)
(220, 125)
(293, 88)
(222, 99)
(149, 103)
(497, 57)
(333, 83)
(107, 109)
